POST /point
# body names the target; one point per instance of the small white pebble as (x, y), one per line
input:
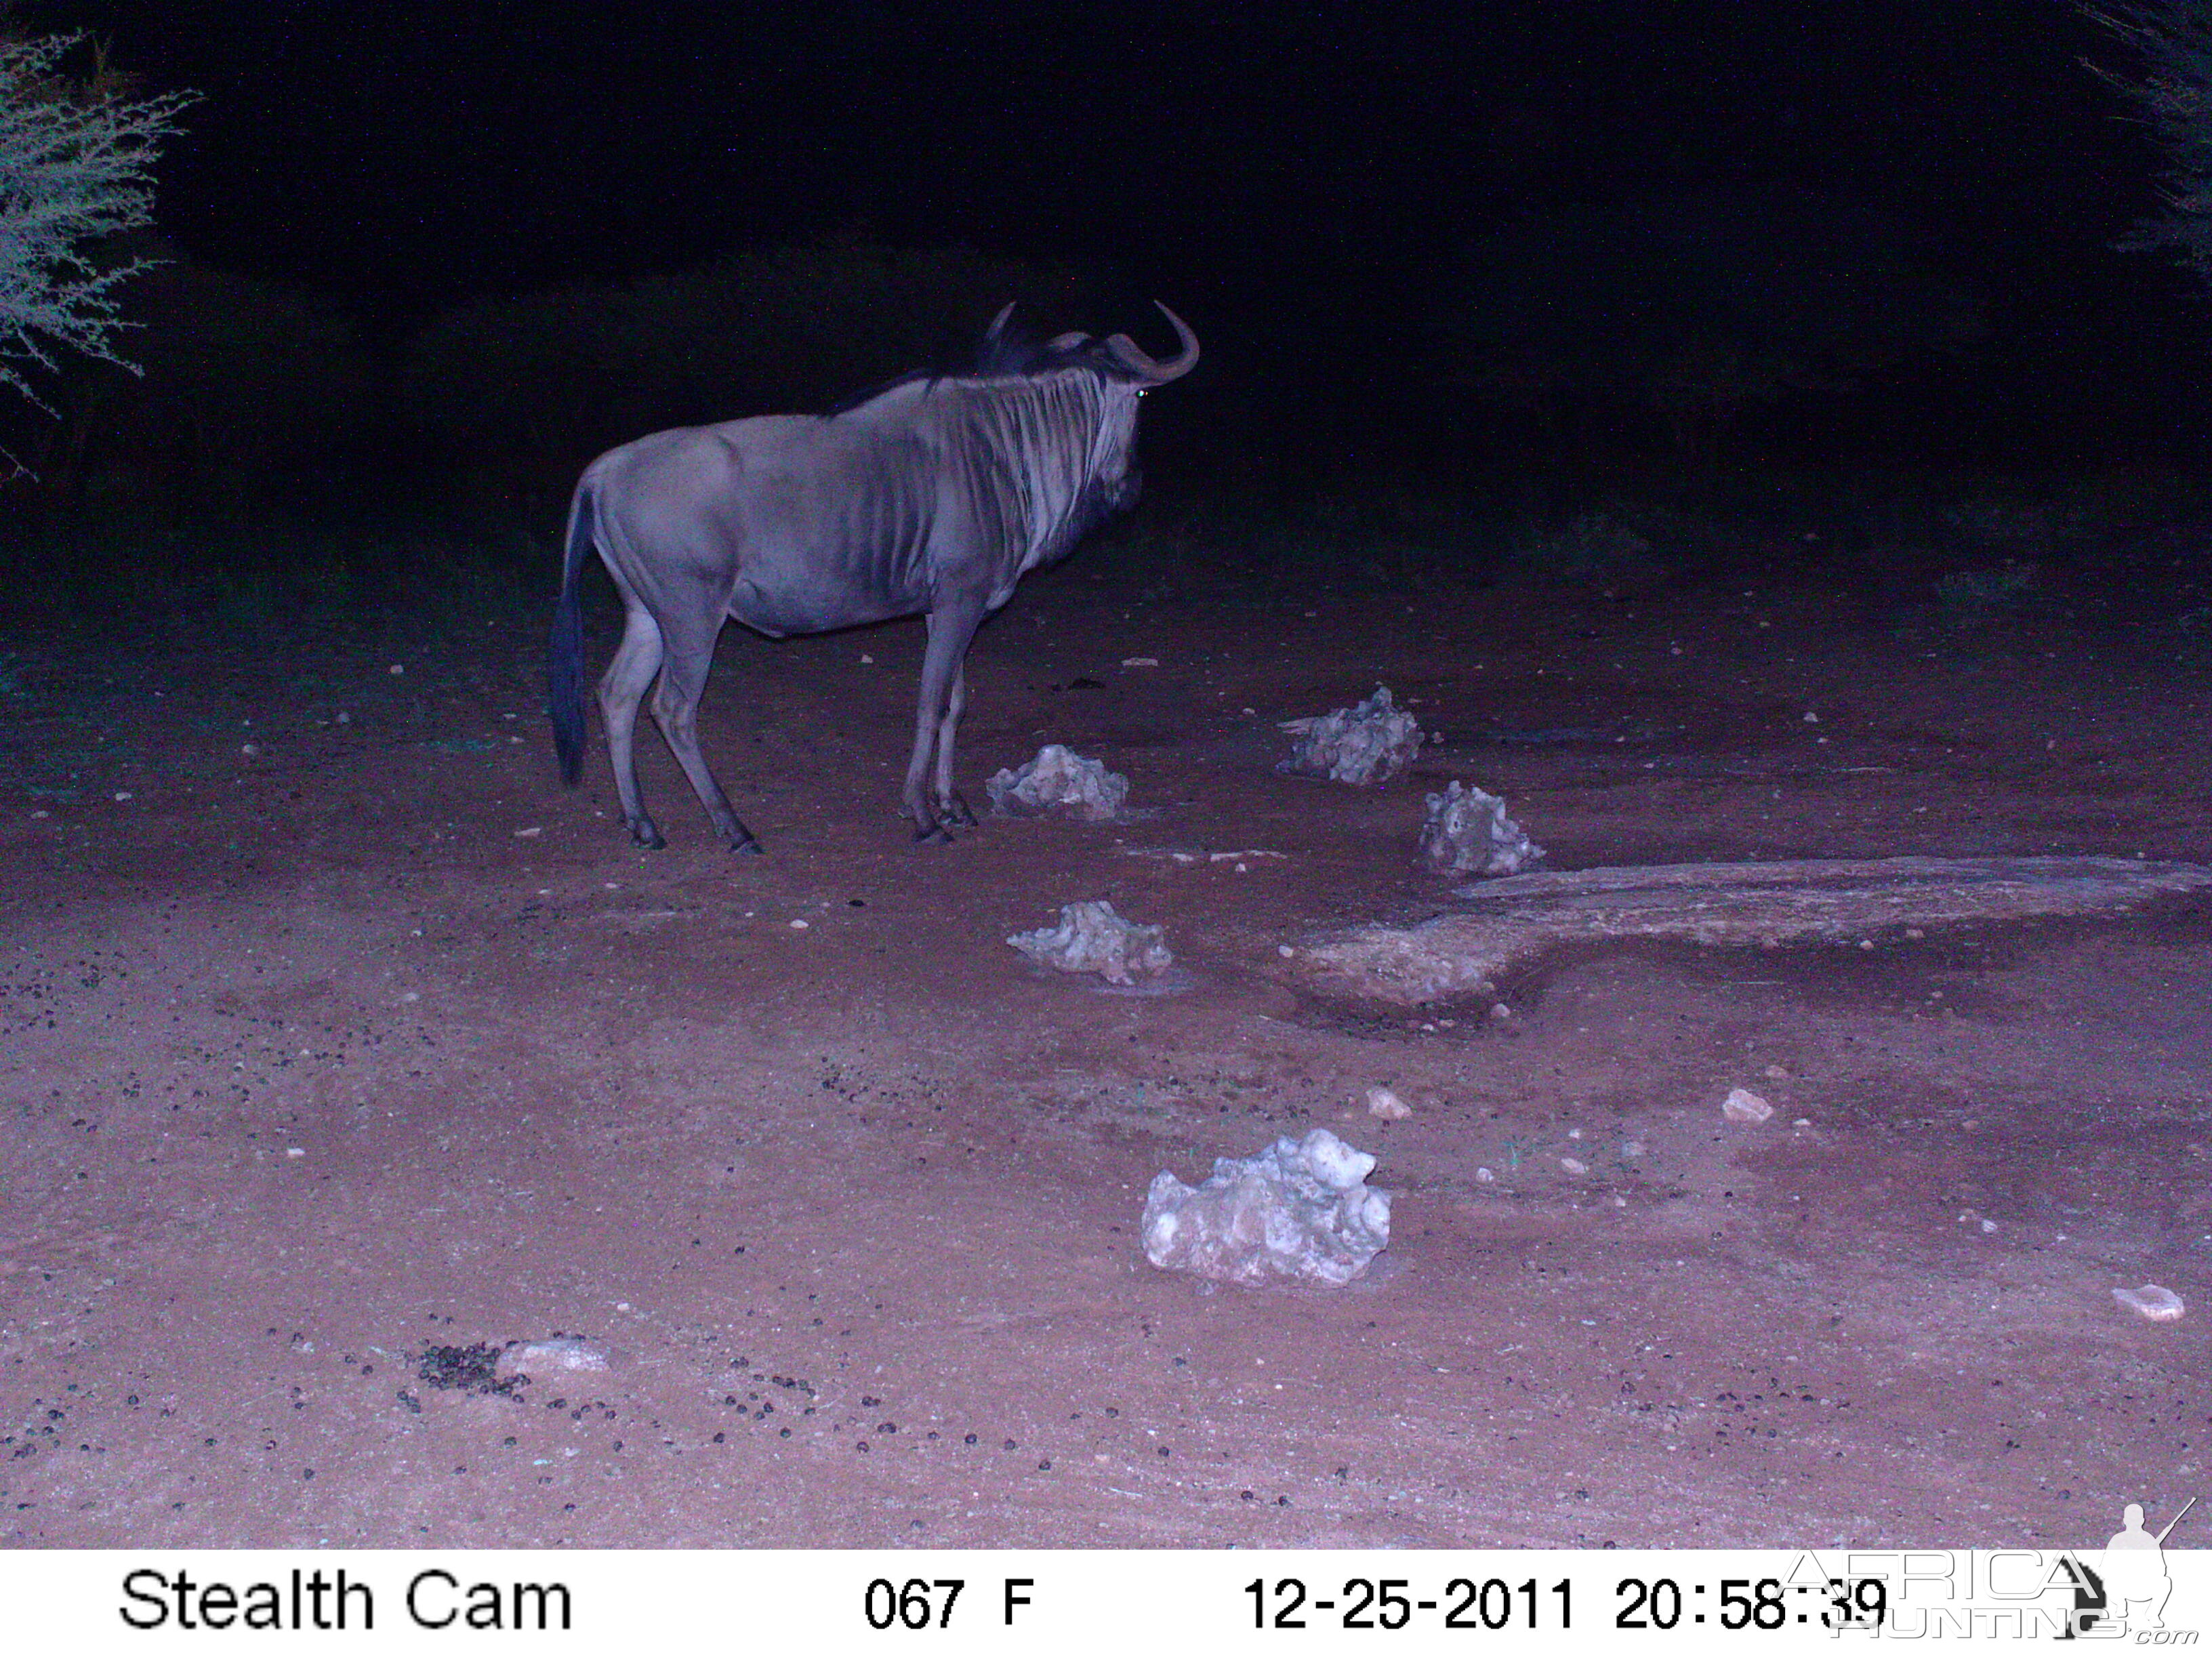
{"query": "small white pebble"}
(1776, 1074)
(1631, 1149)
(398, 668)
(534, 829)
(1140, 662)
(1866, 944)
(249, 749)
(1743, 1106)
(866, 659)
(1387, 1105)
(1284, 950)
(800, 924)
(295, 1152)
(344, 718)
(2154, 1302)
(1914, 932)
(1484, 1176)
(1801, 1122)
(1499, 1011)
(411, 996)
(42, 813)
(123, 794)
(1811, 719)
(1574, 1134)
(1574, 1166)
(1988, 1226)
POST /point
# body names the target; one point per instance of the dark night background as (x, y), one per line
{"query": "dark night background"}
(1540, 252)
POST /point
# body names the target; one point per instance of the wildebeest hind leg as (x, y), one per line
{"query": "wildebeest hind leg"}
(952, 625)
(950, 806)
(676, 711)
(636, 660)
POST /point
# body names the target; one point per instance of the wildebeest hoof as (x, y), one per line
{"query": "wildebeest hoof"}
(750, 844)
(936, 836)
(954, 810)
(647, 835)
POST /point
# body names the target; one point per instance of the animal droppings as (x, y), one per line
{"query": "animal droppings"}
(1061, 783)
(1467, 833)
(1300, 1209)
(1370, 743)
(2154, 1302)
(1093, 938)
(1743, 1106)
(1387, 1105)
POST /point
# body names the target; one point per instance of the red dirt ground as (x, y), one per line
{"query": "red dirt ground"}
(375, 1040)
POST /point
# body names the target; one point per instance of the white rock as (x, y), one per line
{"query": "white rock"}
(1060, 781)
(1574, 1166)
(1387, 1105)
(1743, 1106)
(1094, 937)
(1484, 1176)
(1299, 1209)
(551, 1354)
(2154, 1302)
(1370, 743)
(1467, 833)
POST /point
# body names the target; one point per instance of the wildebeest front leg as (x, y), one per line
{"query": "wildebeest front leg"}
(952, 625)
(950, 806)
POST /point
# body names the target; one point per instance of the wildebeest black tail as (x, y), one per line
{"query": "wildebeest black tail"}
(565, 672)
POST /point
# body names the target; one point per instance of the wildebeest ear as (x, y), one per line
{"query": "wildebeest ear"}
(1068, 342)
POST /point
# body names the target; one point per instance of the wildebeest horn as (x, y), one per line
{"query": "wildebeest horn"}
(1132, 357)
(999, 322)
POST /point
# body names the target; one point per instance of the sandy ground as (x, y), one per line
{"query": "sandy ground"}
(336, 1038)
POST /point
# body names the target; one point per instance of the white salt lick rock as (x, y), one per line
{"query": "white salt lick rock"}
(1300, 1209)
(1467, 833)
(1092, 937)
(1370, 743)
(1062, 783)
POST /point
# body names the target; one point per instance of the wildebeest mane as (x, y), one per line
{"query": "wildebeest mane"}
(1005, 355)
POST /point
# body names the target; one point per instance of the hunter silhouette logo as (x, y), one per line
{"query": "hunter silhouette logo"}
(2135, 1569)
(2127, 1589)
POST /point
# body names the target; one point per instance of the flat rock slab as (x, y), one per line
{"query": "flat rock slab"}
(1511, 922)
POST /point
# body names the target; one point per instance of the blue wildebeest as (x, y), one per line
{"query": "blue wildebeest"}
(934, 495)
